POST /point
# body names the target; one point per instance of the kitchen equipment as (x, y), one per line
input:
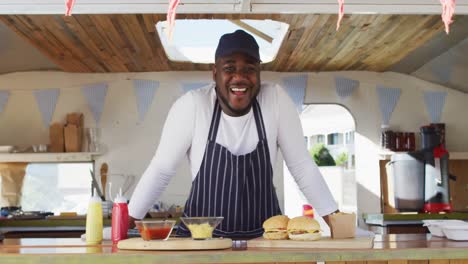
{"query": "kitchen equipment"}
(93, 135)
(95, 186)
(406, 178)
(138, 243)
(104, 169)
(324, 242)
(436, 174)
(201, 227)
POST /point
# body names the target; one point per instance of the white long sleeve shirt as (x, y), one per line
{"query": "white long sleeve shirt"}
(185, 133)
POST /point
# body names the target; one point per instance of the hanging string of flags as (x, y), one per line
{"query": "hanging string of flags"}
(295, 86)
(448, 10)
(95, 95)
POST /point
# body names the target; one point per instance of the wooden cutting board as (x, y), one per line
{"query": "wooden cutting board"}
(138, 243)
(324, 242)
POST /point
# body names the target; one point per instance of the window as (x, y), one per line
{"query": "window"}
(57, 187)
(335, 139)
(349, 137)
(195, 40)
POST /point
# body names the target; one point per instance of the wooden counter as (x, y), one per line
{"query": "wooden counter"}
(392, 249)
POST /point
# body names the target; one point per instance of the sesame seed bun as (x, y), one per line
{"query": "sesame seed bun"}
(303, 228)
(275, 227)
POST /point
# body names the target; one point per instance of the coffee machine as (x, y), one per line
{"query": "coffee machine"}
(436, 173)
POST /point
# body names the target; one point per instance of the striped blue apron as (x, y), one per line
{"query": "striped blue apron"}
(240, 188)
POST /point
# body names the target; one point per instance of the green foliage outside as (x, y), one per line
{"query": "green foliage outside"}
(341, 159)
(321, 155)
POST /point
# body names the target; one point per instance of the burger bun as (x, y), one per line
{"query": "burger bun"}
(303, 228)
(306, 236)
(275, 227)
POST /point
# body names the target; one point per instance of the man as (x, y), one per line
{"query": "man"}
(231, 131)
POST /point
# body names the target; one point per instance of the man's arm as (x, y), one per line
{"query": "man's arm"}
(300, 163)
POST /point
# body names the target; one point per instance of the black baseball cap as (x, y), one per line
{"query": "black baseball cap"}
(238, 41)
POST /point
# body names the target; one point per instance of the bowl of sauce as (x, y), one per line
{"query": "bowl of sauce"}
(155, 229)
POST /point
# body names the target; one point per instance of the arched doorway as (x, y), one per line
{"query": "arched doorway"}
(331, 128)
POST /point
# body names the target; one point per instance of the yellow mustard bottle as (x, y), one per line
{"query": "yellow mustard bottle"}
(94, 221)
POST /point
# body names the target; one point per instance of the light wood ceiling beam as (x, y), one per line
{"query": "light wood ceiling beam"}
(251, 29)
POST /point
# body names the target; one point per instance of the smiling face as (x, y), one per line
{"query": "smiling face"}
(237, 78)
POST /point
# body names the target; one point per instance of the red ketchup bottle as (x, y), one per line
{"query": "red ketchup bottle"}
(119, 218)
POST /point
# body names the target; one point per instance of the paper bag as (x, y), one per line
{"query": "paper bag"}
(56, 137)
(343, 225)
(12, 175)
(73, 138)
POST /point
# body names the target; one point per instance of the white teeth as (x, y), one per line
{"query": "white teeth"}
(239, 89)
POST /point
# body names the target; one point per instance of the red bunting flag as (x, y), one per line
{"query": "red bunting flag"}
(69, 4)
(340, 13)
(308, 210)
(448, 8)
(171, 13)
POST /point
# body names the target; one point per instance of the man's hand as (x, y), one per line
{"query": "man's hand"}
(131, 222)
(327, 219)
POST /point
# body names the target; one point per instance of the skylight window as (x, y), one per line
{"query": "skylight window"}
(195, 40)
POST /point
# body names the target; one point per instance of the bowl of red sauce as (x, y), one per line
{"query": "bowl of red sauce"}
(155, 229)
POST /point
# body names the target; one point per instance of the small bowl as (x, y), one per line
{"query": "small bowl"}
(202, 227)
(436, 226)
(456, 232)
(155, 229)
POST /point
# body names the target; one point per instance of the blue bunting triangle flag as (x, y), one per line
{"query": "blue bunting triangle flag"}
(4, 95)
(388, 98)
(144, 92)
(345, 86)
(295, 86)
(95, 95)
(47, 100)
(435, 102)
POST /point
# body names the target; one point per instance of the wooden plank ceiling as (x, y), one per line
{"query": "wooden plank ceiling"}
(129, 43)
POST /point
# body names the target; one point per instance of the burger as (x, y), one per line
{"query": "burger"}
(303, 228)
(275, 227)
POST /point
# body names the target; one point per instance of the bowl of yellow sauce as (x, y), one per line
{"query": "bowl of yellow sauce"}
(202, 227)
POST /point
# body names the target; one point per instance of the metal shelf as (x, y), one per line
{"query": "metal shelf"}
(49, 157)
